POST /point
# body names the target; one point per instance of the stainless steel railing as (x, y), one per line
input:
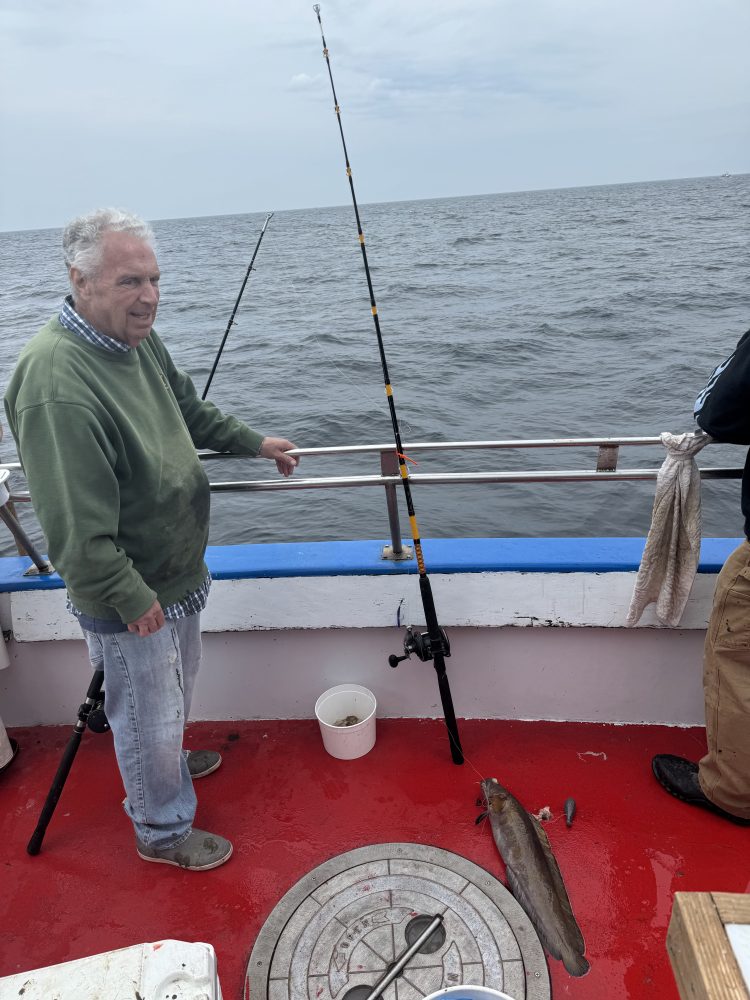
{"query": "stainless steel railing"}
(604, 469)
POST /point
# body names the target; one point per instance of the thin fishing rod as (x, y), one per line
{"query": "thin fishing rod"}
(434, 645)
(230, 324)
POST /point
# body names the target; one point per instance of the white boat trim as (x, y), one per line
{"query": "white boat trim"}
(529, 642)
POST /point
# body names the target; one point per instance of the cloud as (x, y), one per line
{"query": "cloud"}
(303, 81)
(189, 104)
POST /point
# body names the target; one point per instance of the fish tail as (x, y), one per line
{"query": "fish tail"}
(575, 964)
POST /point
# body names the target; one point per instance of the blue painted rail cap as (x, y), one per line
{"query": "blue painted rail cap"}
(12, 576)
(447, 555)
(442, 555)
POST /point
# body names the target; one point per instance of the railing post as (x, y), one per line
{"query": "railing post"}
(606, 458)
(396, 550)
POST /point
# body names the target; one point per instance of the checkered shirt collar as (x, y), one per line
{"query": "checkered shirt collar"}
(74, 322)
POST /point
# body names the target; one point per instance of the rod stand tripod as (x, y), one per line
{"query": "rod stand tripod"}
(90, 713)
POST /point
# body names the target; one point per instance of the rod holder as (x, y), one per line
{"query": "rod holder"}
(23, 542)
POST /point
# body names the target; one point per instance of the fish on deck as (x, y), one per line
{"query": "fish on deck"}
(534, 876)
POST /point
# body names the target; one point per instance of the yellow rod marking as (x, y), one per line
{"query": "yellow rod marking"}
(389, 390)
(403, 470)
(362, 238)
(414, 528)
(348, 171)
(374, 310)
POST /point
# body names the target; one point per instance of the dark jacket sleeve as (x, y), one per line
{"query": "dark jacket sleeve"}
(723, 407)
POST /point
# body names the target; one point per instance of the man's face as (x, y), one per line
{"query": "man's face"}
(120, 300)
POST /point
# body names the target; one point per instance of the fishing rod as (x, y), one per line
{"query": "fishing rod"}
(230, 324)
(433, 644)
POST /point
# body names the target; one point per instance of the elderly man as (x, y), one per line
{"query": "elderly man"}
(106, 428)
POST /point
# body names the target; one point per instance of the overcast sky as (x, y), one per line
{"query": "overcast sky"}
(204, 108)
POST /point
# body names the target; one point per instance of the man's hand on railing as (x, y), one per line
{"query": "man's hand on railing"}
(276, 449)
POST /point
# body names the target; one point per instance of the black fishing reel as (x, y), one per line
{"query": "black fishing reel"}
(97, 720)
(421, 644)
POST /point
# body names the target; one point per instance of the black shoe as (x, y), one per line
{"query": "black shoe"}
(680, 778)
(202, 762)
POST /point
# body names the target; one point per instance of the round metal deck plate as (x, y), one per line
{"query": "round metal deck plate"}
(340, 929)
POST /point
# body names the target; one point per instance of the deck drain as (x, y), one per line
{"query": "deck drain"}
(342, 927)
(418, 926)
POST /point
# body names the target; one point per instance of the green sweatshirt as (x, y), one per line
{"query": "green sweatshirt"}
(107, 441)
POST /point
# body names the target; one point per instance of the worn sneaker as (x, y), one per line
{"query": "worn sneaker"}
(680, 778)
(202, 762)
(198, 853)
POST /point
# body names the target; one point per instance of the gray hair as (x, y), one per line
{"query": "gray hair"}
(82, 238)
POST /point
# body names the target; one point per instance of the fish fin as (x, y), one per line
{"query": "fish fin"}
(561, 949)
(554, 870)
(573, 931)
(521, 893)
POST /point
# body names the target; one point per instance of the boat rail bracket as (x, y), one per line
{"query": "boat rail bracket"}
(44, 570)
(404, 553)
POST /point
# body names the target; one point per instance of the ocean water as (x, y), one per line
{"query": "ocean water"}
(568, 313)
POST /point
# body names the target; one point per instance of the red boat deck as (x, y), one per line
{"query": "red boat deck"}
(288, 806)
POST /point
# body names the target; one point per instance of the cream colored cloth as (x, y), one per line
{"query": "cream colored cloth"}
(673, 546)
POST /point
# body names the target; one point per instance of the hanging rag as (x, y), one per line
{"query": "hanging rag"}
(672, 550)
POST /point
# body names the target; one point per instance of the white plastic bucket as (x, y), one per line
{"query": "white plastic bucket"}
(468, 993)
(341, 703)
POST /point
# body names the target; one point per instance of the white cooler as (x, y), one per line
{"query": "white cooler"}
(149, 971)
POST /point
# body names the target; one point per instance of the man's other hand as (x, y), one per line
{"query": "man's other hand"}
(275, 449)
(149, 622)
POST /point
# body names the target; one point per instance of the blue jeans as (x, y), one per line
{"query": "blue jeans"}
(148, 684)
